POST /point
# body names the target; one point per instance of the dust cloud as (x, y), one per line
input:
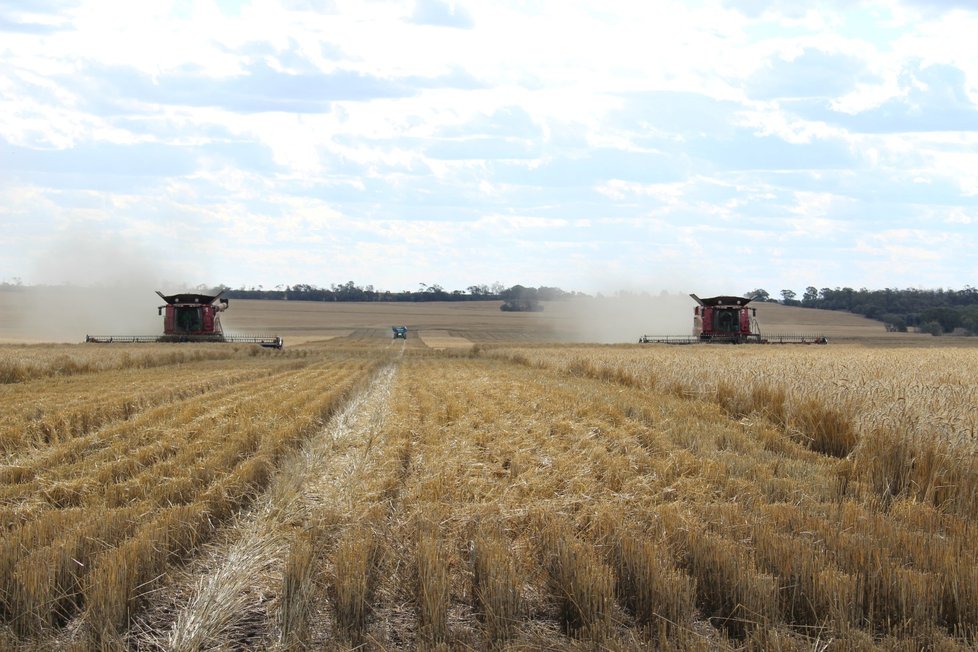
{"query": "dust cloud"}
(622, 318)
(89, 285)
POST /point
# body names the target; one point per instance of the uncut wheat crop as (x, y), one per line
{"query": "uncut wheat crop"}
(363, 494)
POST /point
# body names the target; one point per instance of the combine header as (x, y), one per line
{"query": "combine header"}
(191, 318)
(729, 320)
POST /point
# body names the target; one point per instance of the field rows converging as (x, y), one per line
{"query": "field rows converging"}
(93, 522)
(605, 498)
(365, 494)
(50, 410)
(314, 490)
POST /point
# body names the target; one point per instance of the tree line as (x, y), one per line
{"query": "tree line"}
(515, 298)
(931, 311)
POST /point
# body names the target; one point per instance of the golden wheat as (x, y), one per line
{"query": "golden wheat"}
(531, 497)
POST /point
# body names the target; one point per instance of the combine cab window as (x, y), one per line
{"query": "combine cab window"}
(189, 320)
(727, 321)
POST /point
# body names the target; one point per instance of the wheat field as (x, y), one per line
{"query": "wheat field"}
(485, 490)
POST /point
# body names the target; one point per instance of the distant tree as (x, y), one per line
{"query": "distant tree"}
(550, 294)
(969, 321)
(788, 298)
(893, 322)
(810, 298)
(932, 327)
(759, 295)
(948, 318)
(520, 299)
(436, 292)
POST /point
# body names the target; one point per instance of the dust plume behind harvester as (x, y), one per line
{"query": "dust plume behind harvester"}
(729, 320)
(191, 317)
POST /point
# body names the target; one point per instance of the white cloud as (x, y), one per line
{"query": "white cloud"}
(299, 145)
(961, 216)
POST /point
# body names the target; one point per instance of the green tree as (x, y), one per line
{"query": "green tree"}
(810, 298)
(948, 318)
(894, 322)
(932, 327)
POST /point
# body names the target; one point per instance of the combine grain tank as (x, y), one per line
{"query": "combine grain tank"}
(191, 317)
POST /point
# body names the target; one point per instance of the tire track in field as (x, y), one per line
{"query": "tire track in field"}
(230, 596)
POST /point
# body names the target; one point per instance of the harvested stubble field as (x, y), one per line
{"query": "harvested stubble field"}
(355, 492)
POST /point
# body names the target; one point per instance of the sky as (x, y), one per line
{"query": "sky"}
(708, 146)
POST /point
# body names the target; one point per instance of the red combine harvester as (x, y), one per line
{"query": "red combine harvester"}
(191, 317)
(729, 320)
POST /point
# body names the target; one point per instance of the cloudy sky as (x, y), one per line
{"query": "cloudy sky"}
(708, 146)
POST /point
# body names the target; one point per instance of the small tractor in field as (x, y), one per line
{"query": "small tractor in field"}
(729, 320)
(191, 317)
(400, 332)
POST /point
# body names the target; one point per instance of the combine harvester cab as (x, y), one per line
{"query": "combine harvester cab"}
(729, 320)
(190, 317)
(400, 332)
